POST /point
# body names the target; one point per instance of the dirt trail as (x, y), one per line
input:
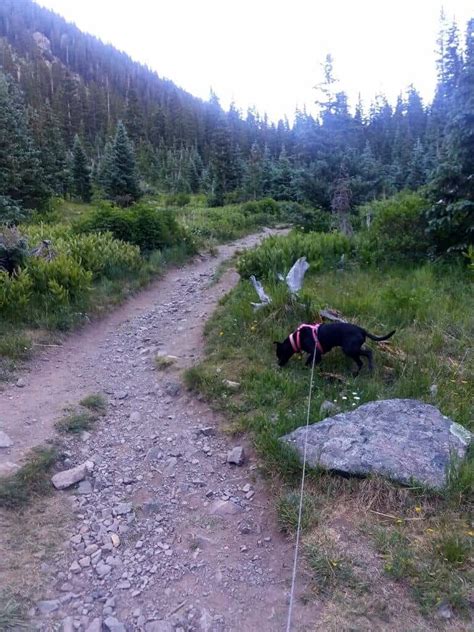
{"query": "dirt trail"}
(166, 535)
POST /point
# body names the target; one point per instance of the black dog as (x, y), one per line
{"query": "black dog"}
(319, 339)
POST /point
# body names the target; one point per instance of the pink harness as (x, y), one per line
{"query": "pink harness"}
(295, 337)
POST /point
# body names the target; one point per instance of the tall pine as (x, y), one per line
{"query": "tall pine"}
(119, 176)
(81, 172)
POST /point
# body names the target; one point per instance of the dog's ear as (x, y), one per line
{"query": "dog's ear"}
(275, 342)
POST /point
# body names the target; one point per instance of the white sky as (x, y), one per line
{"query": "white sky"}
(267, 53)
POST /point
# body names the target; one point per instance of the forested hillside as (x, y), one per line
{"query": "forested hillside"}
(60, 84)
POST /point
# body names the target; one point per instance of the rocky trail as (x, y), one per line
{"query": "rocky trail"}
(165, 535)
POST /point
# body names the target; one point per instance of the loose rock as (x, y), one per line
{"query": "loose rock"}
(65, 479)
(114, 625)
(45, 607)
(403, 439)
(5, 441)
(236, 455)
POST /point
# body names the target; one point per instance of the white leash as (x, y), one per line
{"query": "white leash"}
(300, 512)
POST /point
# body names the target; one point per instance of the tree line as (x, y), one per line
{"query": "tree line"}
(76, 113)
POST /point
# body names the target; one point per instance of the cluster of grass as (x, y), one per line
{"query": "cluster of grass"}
(12, 612)
(431, 310)
(210, 226)
(79, 420)
(31, 480)
(436, 561)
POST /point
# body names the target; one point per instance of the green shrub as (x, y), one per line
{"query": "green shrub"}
(15, 293)
(267, 210)
(58, 286)
(101, 254)
(396, 229)
(178, 199)
(141, 225)
(305, 218)
(278, 254)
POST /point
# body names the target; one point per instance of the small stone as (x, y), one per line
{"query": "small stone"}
(115, 540)
(95, 626)
(433, 390)
(66, 587)
(233, 386)
(20, 383)
(135, 417)
(114, 625)
(249, 495)
(445, 611)
(65, 479)
(85, 562)
(208, 431)
(85, 436)
(84, 487)
(170, 465)
(236, 455)
(125, 585)
(75, 568)
(50, 605)
(102, 569)
(139, 544)
(121, 395)
(246, 488)
(68, 624)
(122, 509)
(154, 454)
(151, 507)
(173, 388)
(224, 508)
(5, 441)
(159, 626)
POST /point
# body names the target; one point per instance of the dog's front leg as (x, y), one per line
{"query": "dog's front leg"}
(317, 359)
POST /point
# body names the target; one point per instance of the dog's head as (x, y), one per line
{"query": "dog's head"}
(284, 351)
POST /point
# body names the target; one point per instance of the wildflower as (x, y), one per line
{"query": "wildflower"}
(418, 509)
(221, 333)
(344, 397)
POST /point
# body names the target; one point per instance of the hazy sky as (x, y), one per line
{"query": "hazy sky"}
(268, 53)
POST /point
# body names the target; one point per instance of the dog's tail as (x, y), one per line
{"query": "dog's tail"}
(380, 338)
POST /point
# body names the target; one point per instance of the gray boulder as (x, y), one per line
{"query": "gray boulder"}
(402, 439)
(66, 478)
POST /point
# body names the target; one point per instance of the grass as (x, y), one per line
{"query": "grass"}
(79, 420)
(288, 512)
(31, 480)
(12, 612)
(329, 569)
(76, 422)
(163, 362)
(431, 310)
(95, 402)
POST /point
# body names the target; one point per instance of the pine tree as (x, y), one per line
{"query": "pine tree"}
(81, 172)
(119, 175)
(451, 217)
(22, 184)
(417, 167)
(253, 175)
(341, 204)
